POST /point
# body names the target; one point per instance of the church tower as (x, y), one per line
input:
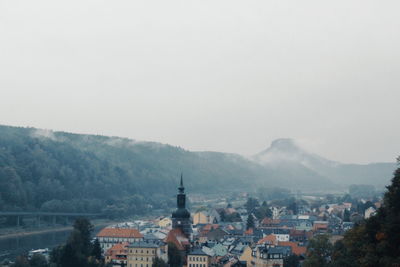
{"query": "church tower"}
(181, 217)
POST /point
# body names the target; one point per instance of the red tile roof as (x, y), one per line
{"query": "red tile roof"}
(269, 239)
(120, 232)
(118, 249)
(296, 249)
(177, 237)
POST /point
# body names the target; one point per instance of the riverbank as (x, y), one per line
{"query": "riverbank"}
(28, 232)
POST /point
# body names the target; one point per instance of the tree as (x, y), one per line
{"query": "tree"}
(38, 260)
(159, 263)
(251, 205)
(96, 250)
(174, 255)
(78, 250)
(375, 241)
(319, 250)
(250, 222)
(291, 261)
(263, 211)
(21, 261)
(292, 206)
(346, 215)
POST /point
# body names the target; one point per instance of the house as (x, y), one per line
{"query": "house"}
(265, 256)
(295, 247)
(143, 253)
(108, 237)
(320, 226)
(165, 222)
(198, 258)
(268, 240)
(201, 218)
(117, 254)
(247, 255)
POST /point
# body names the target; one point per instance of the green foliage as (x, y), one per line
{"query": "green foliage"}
(263, 211)
(55, 171)
(159, 263)
(251, 205)
(78, 250)
(21, 261)
(96, 250)
(375, 242)
(250, 222)
(38, 260)
(319, 250)
(291, 261)
(174, 256)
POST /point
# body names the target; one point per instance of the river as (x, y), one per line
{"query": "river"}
(11, 247)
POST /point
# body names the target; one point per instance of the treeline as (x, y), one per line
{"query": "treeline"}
(55, 171)
(373, 242)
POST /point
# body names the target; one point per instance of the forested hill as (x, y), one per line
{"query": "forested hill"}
(57, 171)
(45, 170)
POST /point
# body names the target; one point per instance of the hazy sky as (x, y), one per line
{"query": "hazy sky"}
(208, 75)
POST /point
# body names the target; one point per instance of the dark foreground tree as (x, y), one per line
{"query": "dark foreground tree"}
(375, 242)
(159, 263)
(78, 250)
(319, 250)
(291, 261)
(174, 255)
(250, 222)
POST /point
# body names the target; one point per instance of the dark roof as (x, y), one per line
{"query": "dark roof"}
(277, 250)
(197, 251)
(144, 245)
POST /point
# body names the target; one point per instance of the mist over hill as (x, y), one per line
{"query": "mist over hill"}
(285, 152)
(52, 171)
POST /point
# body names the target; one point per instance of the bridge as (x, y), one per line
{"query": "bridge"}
(40, 214)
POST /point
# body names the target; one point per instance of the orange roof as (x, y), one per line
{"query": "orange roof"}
(120, 232)
(177, 237)
(208, 227)
(118, 249)
(249, 231)
(269, 239)
(296, 249)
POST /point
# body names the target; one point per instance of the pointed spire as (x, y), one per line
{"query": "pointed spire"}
(181, 179)
(181, 188)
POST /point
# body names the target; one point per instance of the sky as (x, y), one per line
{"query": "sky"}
(226, 75)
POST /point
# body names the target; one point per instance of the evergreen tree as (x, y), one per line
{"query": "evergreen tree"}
(96, 250)
(375, 241)
(159, 263)
(78, 251)
(38, 260)
(250, 222)
(174, 255)
(291, 261)
(319, 250)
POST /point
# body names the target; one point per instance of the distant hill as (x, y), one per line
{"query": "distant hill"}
(285, 152)
(51, 171)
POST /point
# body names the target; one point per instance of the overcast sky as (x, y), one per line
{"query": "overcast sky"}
(225, 75)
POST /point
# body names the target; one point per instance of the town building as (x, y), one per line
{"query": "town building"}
(117, 255)
(198, 258)
(143, 253)
(108, 237)
(181, 216)
(265, 256)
